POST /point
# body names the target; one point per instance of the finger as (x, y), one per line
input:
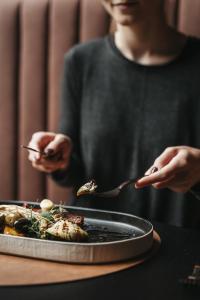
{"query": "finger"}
(60, 150)
(57, 144)
(151, 170)
(40, 140)
(33, 156)
(35, 140)
(163, 159)
(173, 186)
(180, 188)
(165, 183)
(43, 168)
(50, 164)
(161, 175)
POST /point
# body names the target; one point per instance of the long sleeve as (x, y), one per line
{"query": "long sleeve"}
(70, 121)
(120, 116)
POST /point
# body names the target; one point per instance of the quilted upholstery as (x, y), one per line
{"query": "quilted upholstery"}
(34, 35)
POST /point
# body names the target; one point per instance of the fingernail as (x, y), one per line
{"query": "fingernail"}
(151, 170)
(154, 169)
(49, 152)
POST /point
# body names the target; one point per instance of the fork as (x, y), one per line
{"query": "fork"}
(48, 155)
(194, 278)
(116, 191)
(90, 187)
(32, 149)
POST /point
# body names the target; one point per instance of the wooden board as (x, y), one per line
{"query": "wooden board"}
(19, 271)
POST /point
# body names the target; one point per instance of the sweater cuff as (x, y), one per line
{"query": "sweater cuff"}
(60, 176)
(196, 187)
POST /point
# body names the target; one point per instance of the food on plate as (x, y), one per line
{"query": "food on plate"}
(10, 214)
(75, 219)
(2, 222)
(46, 205)
(48, 222)
(67, 231)
(11, 231)
(88, 188)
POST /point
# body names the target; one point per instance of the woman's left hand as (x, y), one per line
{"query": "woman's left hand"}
(178, 169)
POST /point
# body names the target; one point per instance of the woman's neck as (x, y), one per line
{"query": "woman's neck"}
(153, 43)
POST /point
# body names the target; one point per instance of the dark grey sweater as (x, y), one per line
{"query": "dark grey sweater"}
(121, 116)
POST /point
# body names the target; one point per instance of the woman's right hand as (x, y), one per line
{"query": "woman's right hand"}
(57, 149)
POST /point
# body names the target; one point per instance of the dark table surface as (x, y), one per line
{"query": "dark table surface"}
(158, 278)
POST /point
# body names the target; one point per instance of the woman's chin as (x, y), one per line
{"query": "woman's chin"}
(125, 20)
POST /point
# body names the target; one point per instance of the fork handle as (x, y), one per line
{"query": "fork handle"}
(125, 183)
(133, 180)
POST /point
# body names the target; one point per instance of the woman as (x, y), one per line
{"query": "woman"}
(130, 101)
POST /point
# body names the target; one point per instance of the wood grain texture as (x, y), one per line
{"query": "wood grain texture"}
(18, 271)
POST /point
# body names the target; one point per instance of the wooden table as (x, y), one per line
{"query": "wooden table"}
(157, 278)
